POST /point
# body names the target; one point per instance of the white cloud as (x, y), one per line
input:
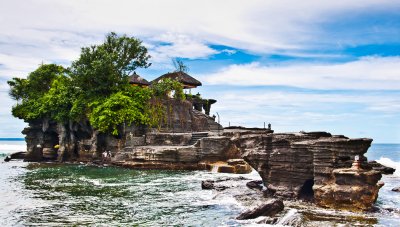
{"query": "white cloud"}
(375, 113)
(9, 126)
(178, 45)
(366, 73)
(273, 26)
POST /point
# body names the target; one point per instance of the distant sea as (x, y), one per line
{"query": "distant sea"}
(75, 195)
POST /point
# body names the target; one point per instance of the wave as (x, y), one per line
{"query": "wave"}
(390, 163)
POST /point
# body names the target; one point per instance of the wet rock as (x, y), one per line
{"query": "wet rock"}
(270, 208)
(207, 184)
(210, 184)
(238, 166)
(255, 184)
(226, 169)
(396, 189)
(381, 168)
(16, 155)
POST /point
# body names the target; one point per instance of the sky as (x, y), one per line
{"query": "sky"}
(306, 65)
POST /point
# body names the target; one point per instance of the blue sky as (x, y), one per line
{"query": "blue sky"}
(310, 65)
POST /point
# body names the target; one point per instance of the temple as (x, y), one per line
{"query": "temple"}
(136, 80)
(187, 81)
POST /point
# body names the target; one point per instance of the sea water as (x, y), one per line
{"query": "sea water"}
(34, 194)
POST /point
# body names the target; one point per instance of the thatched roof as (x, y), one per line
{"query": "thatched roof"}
(136, 79)
(184, 78)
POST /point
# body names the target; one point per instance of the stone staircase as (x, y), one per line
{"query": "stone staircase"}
(196, 136)
(213, 126)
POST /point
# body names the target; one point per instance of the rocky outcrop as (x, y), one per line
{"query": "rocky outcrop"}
(350, 189)
(310, 166)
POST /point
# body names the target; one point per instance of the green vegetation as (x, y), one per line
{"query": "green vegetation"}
(95, 88)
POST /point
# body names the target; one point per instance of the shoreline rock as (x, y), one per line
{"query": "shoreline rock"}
(271, 208)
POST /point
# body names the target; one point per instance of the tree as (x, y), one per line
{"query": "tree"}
(32, 90)
(127, 106)
(58, 101)
(18, 88)
(102, 70)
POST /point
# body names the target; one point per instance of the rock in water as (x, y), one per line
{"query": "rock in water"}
(269, 209)
(396, 189)
(207, 184)
(255, 184)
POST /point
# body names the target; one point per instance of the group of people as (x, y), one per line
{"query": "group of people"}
(106, 156)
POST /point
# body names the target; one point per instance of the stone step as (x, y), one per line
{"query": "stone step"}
(197, 136)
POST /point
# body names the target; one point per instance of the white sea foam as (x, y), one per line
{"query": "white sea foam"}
(289, 218)
(390, 163)
(10, 148)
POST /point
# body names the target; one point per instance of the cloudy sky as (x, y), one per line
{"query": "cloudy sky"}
(299, 65)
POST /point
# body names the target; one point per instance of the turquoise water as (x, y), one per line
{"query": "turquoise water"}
(79, 195)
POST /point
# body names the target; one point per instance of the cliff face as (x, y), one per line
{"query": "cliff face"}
(314, 166)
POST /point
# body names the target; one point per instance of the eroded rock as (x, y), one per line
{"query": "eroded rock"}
(270, 209)
(355, 190)
(255, 184)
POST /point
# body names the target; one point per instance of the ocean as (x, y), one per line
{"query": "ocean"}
(35, 194)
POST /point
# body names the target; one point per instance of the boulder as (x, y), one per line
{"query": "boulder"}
(255, 184)
(207, 184)
(210, 184)
(270, 209)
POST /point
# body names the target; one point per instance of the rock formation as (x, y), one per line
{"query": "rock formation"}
(270, 209)
(314, 166)
(78, 141)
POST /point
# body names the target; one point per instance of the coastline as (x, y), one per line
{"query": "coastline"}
(244, 198)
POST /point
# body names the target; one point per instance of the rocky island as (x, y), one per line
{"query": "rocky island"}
(125, 120)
